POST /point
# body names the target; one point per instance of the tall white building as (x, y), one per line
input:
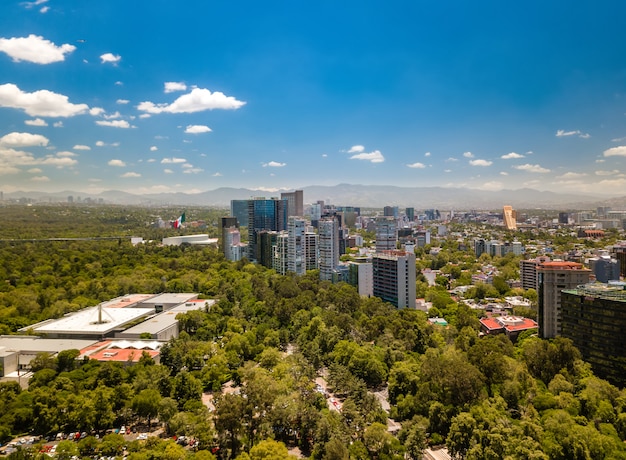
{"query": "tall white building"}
(296, 254)
(328, 247)
(280, 253)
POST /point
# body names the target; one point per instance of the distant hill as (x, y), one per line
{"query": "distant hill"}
(374, 196)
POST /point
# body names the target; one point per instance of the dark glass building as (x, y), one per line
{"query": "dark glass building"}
(264, 214)
(593, 316)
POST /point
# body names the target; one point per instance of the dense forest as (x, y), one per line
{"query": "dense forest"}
(267, 339)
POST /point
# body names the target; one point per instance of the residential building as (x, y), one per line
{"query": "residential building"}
(311, 250)
(619, 252)
(386, 234)
(594, 318)
(362, 276)
(552, 278)
(234, 249)
(328, 247)
(394, 277)
(528, 272)
(280, 254)
(296, 261)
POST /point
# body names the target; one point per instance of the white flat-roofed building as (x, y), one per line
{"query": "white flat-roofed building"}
(91, 323)
(202, 239)
(167, 300)
(164, 326)
(17, 351)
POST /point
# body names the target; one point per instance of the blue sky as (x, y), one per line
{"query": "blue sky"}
(154, 96)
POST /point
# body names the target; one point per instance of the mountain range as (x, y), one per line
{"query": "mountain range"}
(368, 196)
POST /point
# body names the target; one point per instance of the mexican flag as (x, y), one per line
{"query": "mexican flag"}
(178, 222)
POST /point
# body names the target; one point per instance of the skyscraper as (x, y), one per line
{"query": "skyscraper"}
(386, 234)
(239, 210)
(296, 257)
(552, 278)
(264, 215)
(328, 247)
(295, 202)
(311, 248)
(410, 214)
(225, 224)
(394, 277)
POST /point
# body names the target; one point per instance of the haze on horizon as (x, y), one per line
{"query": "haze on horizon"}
(150, 97)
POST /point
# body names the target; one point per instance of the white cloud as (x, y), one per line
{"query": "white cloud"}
(427, 154)
(115, 124)
(111, 58)
(154, 148)
(145, 115)
(619, 151)
(23, 140)
(468, 155)
(274, 164)
(168, 171)
(112, 116)
(151, 160)
(59, 162)
(416, 165)
(130, 175)
(193, 170)
(40, 179)
(532, 168)
(29, 5)
(100, 144)
(511, 156)
(504, 173)
(36, 122)
(607, 173)
(374, 157)
(480, 162)
(35, 171)
(122, 101)
(571, 175)
(44, 9)
(95, 111)
(610, 183)
(563, 133)
(173, 160)
(452, 159)
(34, 49)
(41, 103)
(217, 174)
(66, 153)
(197, 129)
(172, 86)
(58, 124)
(356, 149)
(117, 163)
(81, 147)
(492, 185)
(197, 100)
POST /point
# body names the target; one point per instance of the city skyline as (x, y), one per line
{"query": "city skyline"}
(146, 97)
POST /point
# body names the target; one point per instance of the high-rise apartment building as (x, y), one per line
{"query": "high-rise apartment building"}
(280, 253)
(391, 211)
(605, 268)
(386, 234)
(552, 278)
(264, 215)
(296, 241)
(619, 252)
(328, 247)
(394, 277)
(295, 202)
(594, 318)
(311, 248)
(234, 249)
(528, 272)
(361, 275)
